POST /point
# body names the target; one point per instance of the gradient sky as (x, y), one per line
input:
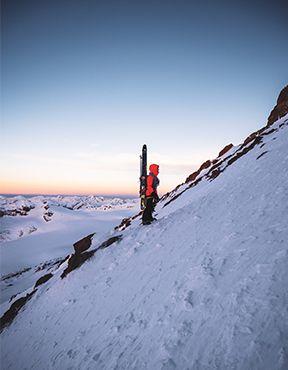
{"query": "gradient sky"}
(86, 83)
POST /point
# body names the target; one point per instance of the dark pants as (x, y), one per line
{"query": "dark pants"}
(149, 209)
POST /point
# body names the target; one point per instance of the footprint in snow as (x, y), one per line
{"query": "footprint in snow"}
(72, 353)
(189, 300)
(108, 281)
(168, 364)
(96, 356)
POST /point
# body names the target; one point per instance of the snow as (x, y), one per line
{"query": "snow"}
(204, 287)
(53, 239)
(35, 209)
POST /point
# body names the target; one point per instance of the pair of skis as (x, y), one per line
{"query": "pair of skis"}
(143, 176)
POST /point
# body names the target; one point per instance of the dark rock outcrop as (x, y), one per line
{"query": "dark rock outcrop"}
(193, 176)
(281, 108)
(76, 260)
(50, 264)
(110, 241)
(225, 150)
(126, 222)
(47, 216)
(23, 211)
(15, 274)
(83, 244)
(15, 307)
(43, 279)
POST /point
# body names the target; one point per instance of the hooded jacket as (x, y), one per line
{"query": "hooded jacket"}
(152, 181)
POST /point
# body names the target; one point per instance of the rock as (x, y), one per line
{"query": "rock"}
(43, 279)
(205, 165)
(281, 108)
(12, 312)
(245, 149)
(22, 211)
(126, 222)
(77, 259)
(250, 138)
(15, 274)
(47, 216)
(215, 173)
(49, 264)
(110, 241)
(83, 244)
(225, 150)
(192, 177)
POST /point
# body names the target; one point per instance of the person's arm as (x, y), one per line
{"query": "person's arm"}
(150, 188)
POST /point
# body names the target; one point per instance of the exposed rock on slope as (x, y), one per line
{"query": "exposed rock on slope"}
(80, 256)
(16, 306)
(216, 166)
(83, 244)
(281, 108)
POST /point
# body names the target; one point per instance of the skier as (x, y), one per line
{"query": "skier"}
(152, 198)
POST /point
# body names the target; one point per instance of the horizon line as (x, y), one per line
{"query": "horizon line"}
(70, 194)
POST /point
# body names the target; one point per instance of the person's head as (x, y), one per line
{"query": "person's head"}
(154, 168)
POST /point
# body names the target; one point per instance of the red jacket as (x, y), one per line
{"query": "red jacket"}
(152, 180)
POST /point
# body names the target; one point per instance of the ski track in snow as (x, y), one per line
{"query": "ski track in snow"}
(205, 287)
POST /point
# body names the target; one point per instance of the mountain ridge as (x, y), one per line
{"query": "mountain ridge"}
(204, 287)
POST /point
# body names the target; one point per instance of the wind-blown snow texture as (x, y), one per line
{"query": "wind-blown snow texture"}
(205, 287)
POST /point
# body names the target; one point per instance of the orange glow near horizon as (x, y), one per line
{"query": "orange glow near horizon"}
(38, 175)
(52, 189)
(29, 189)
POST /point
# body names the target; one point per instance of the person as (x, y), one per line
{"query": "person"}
(152, 198)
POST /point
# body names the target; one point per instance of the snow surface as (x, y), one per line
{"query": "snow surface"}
(52, 239)
(14, 226)
(204, 287)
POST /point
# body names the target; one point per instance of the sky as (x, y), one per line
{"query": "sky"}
(86, 83)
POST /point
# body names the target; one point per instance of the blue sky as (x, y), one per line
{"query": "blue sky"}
(86, 83)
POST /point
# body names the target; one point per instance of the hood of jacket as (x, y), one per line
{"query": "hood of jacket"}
(154, 168)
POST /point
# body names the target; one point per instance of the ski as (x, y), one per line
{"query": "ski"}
(143, 175)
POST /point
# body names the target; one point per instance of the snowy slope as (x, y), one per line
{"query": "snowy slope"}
(205, 287)
(38, 231)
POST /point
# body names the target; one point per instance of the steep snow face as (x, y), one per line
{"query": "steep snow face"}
(204, 287)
